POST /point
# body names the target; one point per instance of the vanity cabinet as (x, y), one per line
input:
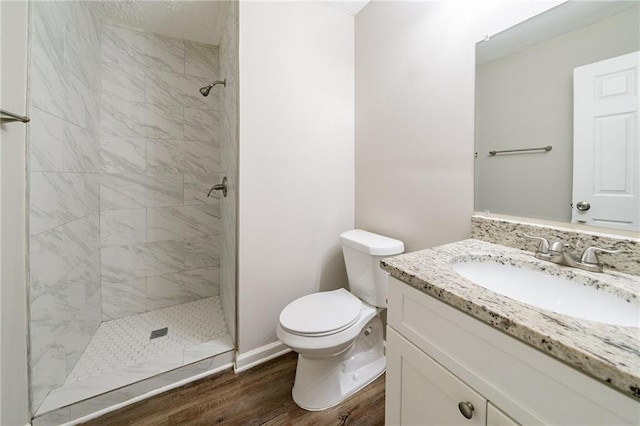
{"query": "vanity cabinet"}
(438, 357)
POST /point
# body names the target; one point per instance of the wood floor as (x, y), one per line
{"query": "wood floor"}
(260, 396)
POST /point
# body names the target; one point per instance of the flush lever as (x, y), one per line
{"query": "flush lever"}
(219, 187)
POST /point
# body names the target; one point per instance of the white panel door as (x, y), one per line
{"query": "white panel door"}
(420, 391)
(606, 138)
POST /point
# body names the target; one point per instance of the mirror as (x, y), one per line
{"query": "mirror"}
(525, 99)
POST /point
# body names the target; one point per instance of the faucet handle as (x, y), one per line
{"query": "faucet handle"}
(590, 254)
(544, 243)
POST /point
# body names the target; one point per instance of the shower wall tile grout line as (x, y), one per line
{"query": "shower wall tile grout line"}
(167, 191)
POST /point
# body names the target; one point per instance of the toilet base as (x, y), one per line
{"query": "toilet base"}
(322, 383)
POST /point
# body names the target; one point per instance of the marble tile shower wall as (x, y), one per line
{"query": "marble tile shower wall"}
(159, 144)
(63, 166)
(229, 164)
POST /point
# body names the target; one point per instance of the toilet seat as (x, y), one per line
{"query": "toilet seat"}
(321, 314)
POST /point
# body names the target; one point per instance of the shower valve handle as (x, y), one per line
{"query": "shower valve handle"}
(219, 187)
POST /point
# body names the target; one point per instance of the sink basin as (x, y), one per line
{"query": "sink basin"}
(551, 292)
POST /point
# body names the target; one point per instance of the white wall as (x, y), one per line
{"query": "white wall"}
(296, 158)
(415, 71)
(13, 303)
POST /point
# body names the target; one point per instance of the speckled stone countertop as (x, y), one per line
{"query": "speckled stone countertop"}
(606, 352)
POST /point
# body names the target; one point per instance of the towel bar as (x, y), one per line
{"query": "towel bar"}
(544, 148)
(12, 117)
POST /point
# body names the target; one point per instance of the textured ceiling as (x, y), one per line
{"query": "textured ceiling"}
(200, 21)
(350, 7)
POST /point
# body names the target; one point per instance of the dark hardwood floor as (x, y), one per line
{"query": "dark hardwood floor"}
(259, 396)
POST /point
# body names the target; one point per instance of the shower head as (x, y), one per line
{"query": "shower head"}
(206, 89)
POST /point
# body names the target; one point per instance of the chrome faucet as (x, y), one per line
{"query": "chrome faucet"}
(557, 252)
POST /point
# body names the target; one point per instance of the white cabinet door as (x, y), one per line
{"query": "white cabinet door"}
(495, 417)
(606, 143)
(420, 391)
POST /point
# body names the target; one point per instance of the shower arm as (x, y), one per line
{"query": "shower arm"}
(223, 82)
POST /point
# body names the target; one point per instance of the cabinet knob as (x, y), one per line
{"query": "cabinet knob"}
(466, 409)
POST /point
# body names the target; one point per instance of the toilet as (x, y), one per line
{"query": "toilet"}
(338, 334)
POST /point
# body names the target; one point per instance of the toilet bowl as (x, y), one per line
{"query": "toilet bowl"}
(338, 334)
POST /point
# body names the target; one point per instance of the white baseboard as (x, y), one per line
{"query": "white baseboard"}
(259, 355)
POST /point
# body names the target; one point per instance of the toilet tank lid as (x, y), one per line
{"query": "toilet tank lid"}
(370, 243)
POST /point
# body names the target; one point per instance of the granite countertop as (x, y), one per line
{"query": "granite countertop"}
(606, 352)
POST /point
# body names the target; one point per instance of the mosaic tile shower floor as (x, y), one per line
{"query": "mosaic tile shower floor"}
(122, 352)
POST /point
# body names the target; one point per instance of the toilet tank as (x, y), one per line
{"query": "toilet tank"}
(362, 252)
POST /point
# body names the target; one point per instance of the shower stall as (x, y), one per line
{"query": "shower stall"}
(132, 256)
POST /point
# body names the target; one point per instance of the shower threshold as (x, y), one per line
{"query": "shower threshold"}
(122, 352)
